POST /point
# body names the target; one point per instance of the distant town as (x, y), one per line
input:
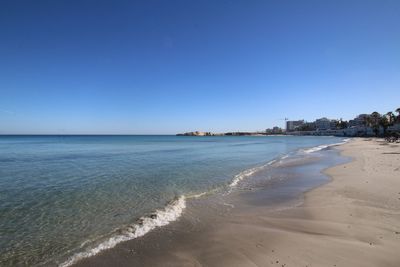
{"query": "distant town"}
(374, 124)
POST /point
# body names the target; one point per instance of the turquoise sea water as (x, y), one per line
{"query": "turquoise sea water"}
(67, 197)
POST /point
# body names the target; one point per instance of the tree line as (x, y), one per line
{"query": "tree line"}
(376, 120)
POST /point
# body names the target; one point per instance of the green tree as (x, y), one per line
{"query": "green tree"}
(398, 115)
(367, 121)
(391, 117)
(375, 119)
(341, 124)
(384, 122)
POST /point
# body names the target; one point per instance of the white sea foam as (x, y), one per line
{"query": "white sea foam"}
(246, 173)
(271, 162)
(169, 214)
(243, 175)
(321, 147)
(197, 195)
(160, 218)
(315, 149)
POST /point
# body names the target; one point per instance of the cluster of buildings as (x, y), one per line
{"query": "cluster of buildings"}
(358, 126)
(275, 130)
(196, 133)
(362, 125)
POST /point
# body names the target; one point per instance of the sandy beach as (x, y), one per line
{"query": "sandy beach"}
(352, 220)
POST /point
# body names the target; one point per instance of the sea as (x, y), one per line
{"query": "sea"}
(65, 198)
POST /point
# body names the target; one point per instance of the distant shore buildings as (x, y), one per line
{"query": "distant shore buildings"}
(274, 130)
(373, 124)
(196, 133)
(293, 125)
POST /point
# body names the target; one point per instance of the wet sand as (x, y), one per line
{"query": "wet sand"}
(353, 220)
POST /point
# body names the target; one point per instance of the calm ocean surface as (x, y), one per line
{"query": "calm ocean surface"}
(67, 197)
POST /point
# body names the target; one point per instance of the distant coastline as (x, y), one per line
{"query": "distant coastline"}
(198, 133)
(364, 125)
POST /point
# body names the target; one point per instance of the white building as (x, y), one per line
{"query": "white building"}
(292, 125)
(323, 124)
(359, 120)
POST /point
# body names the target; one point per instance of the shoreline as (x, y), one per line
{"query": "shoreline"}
(175, 208)
(360, 218)
(203, 215)
(342, 221)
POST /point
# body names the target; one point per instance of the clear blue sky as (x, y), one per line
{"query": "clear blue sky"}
(161, 67)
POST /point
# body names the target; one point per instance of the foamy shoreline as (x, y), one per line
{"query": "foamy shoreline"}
(172, 211)
(351, 221)
(190, 238)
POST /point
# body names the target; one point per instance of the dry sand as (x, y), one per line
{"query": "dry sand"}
(354, 220)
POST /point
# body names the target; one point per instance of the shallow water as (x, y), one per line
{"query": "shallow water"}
(71, 196)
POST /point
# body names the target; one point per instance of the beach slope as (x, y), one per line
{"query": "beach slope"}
(352, 221)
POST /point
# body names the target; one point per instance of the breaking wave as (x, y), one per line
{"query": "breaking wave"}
(168, 214)
(246, 173)
(321, 147)
(144, 225)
